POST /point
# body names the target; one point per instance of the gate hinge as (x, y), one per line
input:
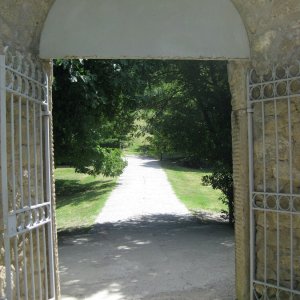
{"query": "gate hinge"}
(11, 225)
(46, 113)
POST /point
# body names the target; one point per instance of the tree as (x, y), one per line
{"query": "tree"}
(94, 107)
(191, 117)
(221, 179)
(186, 105)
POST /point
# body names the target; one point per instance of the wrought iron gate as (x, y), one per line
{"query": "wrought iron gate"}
(274, 162)
(25, 179)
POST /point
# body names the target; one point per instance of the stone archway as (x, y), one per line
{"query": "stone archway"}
(272, 28)
(206, 30)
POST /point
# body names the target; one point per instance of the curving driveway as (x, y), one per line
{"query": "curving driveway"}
(146, 245)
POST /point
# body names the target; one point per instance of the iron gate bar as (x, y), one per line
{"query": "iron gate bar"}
(24, 90)
(257, 97)
(46, 115)
(251, 184)
(12, 120)
(4, 172)
(291, 185)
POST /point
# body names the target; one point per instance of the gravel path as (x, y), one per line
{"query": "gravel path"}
(146, 246)
(143, 190)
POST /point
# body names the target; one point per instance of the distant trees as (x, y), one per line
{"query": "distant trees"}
(189, 114)
(186, 106)
(94, 105)
(190, 111)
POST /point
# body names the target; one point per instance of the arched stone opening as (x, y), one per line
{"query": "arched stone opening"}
(144, 29)
(164, 30)
(271, 26)
(189, 39)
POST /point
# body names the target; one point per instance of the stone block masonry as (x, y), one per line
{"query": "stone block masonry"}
(273, 28)
(237, 79)
(276, 198)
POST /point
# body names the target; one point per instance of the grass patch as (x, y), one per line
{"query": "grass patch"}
(79, 197)
(137, 146)
(138, 143)
(187, 186)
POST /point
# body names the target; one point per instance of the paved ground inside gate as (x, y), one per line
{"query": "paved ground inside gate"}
(146, 245)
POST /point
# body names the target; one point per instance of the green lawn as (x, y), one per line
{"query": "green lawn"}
(187, 185)
(138, 144)
(79, 197)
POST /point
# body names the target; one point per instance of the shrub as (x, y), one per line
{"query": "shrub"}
(221, 178)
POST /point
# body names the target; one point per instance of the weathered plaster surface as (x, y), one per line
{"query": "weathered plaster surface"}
(273, 28)
(21, 22)
(169, 29)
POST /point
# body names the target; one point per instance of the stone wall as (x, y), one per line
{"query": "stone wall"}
(237, 79)
(273, 28)
(21, 23)
(276, 136)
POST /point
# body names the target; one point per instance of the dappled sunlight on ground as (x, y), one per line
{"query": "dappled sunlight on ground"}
(154, 256)
(147, 245)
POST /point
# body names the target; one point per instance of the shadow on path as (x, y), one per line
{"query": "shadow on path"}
(154, 257)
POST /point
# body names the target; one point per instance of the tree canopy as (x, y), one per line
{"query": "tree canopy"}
(94, 109)
(185, 105)
(189, 116)
(190, 111)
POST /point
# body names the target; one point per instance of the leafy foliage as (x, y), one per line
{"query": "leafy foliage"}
(94, 109)
(190, 117)
(221, 179)
(185, 105)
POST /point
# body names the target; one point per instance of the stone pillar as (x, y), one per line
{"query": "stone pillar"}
(48, 65)
(237, 71)
(2, 262)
